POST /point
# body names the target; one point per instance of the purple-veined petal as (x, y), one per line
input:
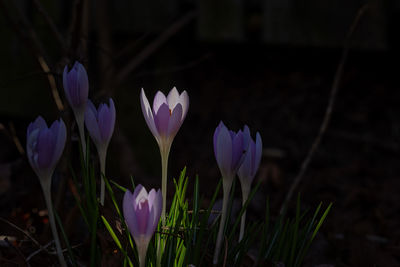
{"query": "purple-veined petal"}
(224, 151)
(129, 213)
(159, 99)
(60, 133)
(45, 149)
(215, 137)
(91, 123)
(39, 123)
(161, 119)
(106, 121)
(83, 83)
(237, 150)
(142, 212)
(148, 114)
(258, 152)
(175, 121)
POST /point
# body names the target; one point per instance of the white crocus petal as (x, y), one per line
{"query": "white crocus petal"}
(159, 99)
(173, 98)
(184, 100)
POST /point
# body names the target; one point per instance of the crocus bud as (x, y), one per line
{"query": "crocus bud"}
(251, 162)
(142, 213)
(44, 146)
(76, 87)
(166, 116)
(247, 171)
(230, 149)
(100, 123)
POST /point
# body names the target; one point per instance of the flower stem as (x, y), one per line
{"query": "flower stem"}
(46, 186)
(102, 157)
(164, 175)
(245, 196)
(142, 250)
(80, 121)
(227, 184)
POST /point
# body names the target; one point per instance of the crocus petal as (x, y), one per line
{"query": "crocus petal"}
(129, 213)
(106, 120)
(224, 151)
(173, 98)
(45, 149)
(60, 132)
(148, 114)
(245, 170)
(175, 121)
(161, 119)
(83, 83)
(91, 123)
(39, 123)
(237, 150)
(159, 99)
(184, 100)
(142, 215)
(215, 137)
(258, 152)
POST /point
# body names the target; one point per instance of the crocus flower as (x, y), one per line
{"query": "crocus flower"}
(166, 116)
(230, 149)
(142, 212)
(44, 147)
(164, 121)
(247, 171)
(76, 88)
(100, 125)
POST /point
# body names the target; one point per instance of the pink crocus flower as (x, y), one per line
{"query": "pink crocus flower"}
(142, 213)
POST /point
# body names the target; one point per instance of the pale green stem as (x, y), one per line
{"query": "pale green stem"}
(80, 121)
(46, 186)
(142, 251)
(164, 151)
(102, 157)
(245, 196)
(227, 184)
(164, 176)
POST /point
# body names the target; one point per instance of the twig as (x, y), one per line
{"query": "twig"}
(38, 251)
(21, 230)
(328, 111)
(152, 47)
(31, 40)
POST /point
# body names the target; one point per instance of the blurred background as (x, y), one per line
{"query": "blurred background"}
(269, 64)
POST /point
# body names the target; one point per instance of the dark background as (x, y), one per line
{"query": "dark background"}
(268, 64)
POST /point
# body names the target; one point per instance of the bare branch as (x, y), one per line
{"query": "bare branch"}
(328, 111)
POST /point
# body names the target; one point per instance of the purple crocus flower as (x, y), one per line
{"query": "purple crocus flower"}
(164, 121)
(230, 149)
(166, 116)
(100, 125)
(142, 213)
(251, 162)
(45, 145)
(247, 171)
(76, 86)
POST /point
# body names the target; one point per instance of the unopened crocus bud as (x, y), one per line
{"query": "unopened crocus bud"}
(164, 121)
(230, 149)
(100, 125)
(44, 147)
(142, 213)
(76, 86)
(247, 171)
